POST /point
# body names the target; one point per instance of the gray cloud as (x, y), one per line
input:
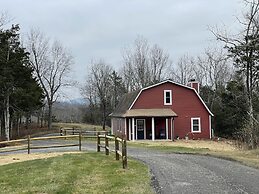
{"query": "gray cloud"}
(101, 28)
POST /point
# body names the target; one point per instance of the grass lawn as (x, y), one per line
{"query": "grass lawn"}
(221, 149)
(75, 173)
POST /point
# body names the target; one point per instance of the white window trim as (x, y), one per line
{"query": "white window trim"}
(165, 91)
(199, 121)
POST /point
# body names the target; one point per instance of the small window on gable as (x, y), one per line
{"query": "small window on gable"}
(167, 97)
(196, 125)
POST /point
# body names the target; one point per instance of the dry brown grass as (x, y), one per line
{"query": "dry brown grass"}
(13, 158)
(211, 145)
(80, 126)
(223, 149)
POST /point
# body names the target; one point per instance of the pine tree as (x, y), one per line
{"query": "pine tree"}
(16, 81)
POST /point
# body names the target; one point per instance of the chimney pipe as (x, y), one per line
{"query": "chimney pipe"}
(194, 84)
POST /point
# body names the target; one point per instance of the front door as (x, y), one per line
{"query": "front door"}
(140, 128)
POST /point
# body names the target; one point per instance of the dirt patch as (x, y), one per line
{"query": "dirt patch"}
(13, 158)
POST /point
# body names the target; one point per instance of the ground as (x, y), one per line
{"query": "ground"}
(13, 158)
(211, 145)
(189, 173)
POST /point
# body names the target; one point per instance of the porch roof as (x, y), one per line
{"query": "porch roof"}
(162, 112)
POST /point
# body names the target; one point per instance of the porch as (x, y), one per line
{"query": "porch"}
(152, 124)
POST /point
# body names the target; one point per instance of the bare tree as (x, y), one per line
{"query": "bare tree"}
(244, 50)
(4, 19)
(184, 70)
(143, 65)
(215, 67)
(158, 62)
(51, 63)
(98, 87)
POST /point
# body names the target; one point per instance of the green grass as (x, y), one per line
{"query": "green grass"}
(170, 149)
(75, 173)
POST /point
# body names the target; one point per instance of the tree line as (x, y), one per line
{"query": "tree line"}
(228, 75)
(31, 75)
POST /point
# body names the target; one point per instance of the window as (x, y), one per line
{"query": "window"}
(167, 97)
(196, 125)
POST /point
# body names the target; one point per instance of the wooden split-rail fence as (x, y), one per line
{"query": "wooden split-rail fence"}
(27, 143)
(117, 142)
(85, 133)
(120, 145)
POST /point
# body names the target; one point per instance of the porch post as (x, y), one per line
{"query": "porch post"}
(145, 128)
(166, 127)
(112, 126)
(153, 129)
(129, 129)
(136, 130)
(133, 129)
(125, 127)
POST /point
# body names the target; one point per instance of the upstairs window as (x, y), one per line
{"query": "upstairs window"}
(196, 125)
(167, 97)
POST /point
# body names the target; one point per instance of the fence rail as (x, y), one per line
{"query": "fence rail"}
(108, 149)
(120, 145)
(74, 131)
(29, 141)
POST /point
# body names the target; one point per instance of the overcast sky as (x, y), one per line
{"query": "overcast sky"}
(93, 29)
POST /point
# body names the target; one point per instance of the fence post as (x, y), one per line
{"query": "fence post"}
(124, 154)
(61, 131)
(29, 142)
(106, 145)
(73, 131)
(98, 141)
(117, 148)
(80, 141)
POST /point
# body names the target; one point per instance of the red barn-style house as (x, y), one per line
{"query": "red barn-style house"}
(165, 110)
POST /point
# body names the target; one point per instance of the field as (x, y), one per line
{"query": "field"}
(222, 149)
(80, 126)
(75, 173)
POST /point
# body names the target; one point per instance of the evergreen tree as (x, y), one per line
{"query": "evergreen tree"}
(232, 115)
(17, 86)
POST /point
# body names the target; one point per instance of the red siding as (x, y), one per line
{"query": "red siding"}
(185, 103)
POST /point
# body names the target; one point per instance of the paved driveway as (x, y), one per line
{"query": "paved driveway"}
(184, 173)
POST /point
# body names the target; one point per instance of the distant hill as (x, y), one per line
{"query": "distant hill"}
(75, 101)
(70, 110)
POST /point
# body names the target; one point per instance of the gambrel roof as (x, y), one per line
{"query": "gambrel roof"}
(128, 100)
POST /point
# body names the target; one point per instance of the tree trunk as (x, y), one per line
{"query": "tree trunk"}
(50, 117)
(18, 125)
(252, 129)
(7, 118)
(27, 122)
(38, 119)
(0, 126)
(42, 117)
(11, 128)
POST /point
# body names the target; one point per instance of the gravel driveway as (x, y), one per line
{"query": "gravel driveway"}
(184, 173)
(187, 173)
